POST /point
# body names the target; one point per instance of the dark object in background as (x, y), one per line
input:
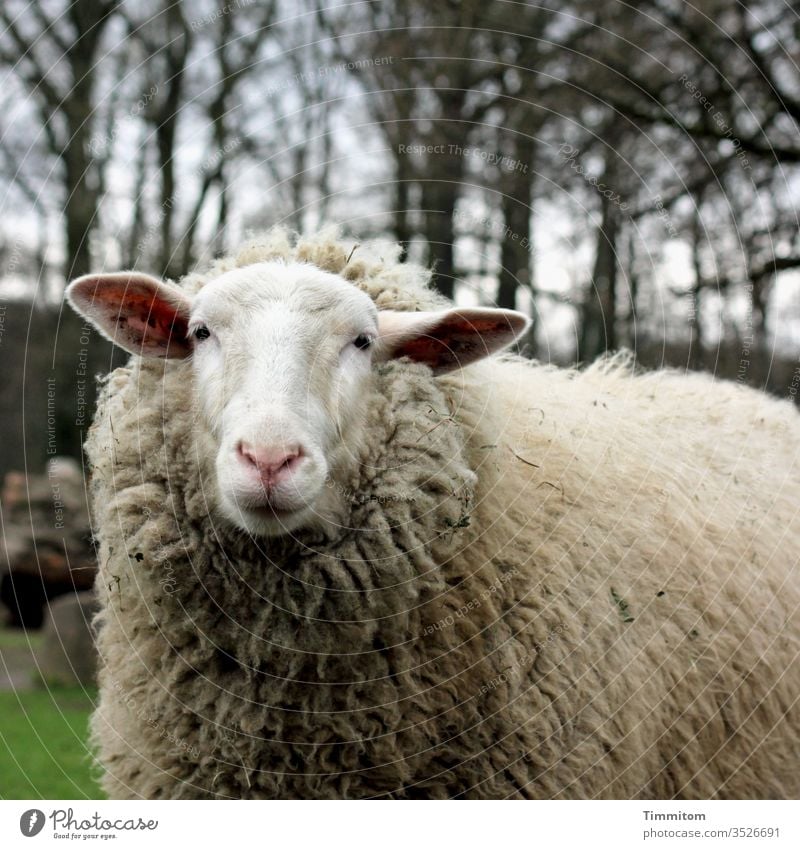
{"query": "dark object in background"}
(48, 550)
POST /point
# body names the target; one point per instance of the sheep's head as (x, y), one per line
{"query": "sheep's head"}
(282, 356)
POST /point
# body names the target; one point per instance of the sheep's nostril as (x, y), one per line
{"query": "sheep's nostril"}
(245, 453)
(271, 462)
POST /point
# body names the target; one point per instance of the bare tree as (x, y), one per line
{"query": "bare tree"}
(426, 97)
(57, 59)
(55, 54)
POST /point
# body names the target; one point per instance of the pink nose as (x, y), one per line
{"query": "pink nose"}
(272, 463)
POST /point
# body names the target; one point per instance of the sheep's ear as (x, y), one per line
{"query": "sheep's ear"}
(449, 339)
(135, 311)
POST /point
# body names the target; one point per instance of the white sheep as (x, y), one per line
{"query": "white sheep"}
(333, 564)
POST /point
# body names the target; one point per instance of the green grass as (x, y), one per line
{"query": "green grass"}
(43, 749)
(16, 638)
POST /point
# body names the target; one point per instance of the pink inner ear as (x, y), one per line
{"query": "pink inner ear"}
(153, 320)
(135, 311)
(455, 341)
(137, 315)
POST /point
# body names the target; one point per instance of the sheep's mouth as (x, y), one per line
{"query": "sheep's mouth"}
(267, 514)
(262, 520)
(267, 519)
(268, 506)
(270, 511)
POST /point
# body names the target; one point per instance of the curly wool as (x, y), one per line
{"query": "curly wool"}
(551, 585)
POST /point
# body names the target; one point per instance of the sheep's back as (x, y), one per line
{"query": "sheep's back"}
(651, 523)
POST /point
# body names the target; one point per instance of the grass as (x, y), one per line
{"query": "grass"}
(16, 638)
(43, 749)
(622, 606)
(43, 730)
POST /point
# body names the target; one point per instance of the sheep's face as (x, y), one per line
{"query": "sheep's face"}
(282, 357)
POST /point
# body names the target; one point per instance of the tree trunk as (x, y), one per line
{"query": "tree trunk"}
(517, 201)
(402, 227)
(759, 353)
(166, 127)
(598, 327)
(695, 327)
(633, 291)
(441, 189)
(137, 222)
(222, 215)
(79, 352)
(80, 205)
(439, 199)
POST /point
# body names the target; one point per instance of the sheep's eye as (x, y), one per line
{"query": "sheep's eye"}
(202, 332)
(362, 341)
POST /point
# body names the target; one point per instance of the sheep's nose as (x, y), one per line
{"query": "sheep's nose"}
(272, 463)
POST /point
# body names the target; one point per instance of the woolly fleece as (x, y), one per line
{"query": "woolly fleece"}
(552, 584)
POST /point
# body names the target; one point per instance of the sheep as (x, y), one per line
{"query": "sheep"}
(344, 553)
